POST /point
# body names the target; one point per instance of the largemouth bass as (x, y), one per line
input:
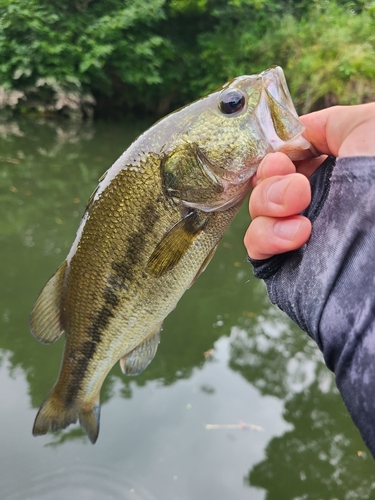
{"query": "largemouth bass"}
(149, 230)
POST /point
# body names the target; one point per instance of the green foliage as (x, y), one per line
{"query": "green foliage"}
(157, 54)
(328, 56)
(80, 47)
(188, 5)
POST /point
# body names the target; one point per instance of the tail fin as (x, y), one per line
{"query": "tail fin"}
(90, 420)
(54, 415)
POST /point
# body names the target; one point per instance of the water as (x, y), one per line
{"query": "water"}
(227, 358)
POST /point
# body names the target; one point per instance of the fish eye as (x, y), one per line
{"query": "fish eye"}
(231, 101)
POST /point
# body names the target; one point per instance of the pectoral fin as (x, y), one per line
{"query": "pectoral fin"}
(285, 123)
(203, 267)
(139, 358)
(170, 250)
(45, 322)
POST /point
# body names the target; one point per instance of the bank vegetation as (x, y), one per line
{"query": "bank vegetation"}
(110, 58)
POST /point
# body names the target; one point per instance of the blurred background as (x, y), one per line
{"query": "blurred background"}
(109, 58)
(237, 403)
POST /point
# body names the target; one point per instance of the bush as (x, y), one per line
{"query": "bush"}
(117, 56)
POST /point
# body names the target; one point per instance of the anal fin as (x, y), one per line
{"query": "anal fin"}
(45, 322)
(139, 358)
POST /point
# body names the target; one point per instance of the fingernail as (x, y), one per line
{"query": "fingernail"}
(275, 193)
(287, 229)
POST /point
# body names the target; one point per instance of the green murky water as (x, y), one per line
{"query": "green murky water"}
(227, 358)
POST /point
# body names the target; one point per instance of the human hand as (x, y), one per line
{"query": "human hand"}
(281, 188)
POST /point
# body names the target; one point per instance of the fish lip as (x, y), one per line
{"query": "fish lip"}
(273, 83)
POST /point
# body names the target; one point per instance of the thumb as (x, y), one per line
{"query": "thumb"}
(342, 130)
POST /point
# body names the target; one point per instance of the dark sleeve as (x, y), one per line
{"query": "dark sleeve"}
(328, 286)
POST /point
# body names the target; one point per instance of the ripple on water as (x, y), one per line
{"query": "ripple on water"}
(83, 482)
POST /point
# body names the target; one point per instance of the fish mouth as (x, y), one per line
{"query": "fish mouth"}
(273, 80)
(275, 126)
(281, 122)
(278, 120)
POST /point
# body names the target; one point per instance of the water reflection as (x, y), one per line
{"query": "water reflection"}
(321, 453)
(323, 450)
(226, 355)
(273, 356)
(85, 482)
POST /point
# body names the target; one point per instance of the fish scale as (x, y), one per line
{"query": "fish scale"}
(149, 230)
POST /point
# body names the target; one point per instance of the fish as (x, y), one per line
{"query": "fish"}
(149, 230)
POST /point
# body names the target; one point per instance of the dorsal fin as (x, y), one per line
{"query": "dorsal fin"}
(175, 243)
(45, 322)
(139, 358)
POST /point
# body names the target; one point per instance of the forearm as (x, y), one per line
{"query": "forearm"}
(327, 286)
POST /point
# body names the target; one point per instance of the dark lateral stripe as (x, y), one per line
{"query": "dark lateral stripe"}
(88, 350)
(120, 280)
(135, 246)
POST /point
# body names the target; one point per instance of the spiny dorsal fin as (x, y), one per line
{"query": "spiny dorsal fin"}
(139, 358)
(45, 317)
(175, 243)
(286, 124)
